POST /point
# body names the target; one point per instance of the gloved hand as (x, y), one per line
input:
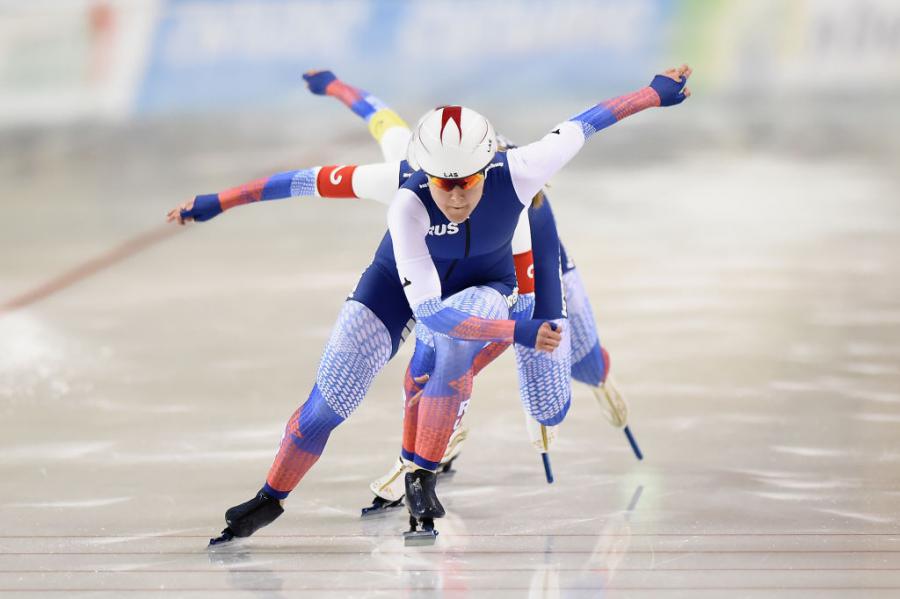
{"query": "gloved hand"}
(204, 207)
(543, 335)
(317, 81)
(671, 85)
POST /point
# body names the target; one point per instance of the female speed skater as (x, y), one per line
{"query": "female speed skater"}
(458, 286)
(546, 267)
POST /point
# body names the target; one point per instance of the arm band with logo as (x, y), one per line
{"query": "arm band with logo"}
(524, 263)
(326, 182)
(372, 181)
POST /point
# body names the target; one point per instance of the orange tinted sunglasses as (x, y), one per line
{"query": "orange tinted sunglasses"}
(464, 183)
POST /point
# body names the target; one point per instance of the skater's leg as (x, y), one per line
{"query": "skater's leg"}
(421, 365)
(589, 359)
(373, 323)
(359, 347)
(447, 392)
(544, 386)
(442, 402)
(423, 361)
(389, 488)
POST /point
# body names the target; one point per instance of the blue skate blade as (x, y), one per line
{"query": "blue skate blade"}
(226, 539)
(633, 443)
(548, 471)
(419, 538)
(376, 511)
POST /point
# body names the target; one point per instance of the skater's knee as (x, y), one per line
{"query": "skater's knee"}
(454, 354)
(484, 302)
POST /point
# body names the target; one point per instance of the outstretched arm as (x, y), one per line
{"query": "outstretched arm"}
(377, 182)
(532, 166)
(385, 125)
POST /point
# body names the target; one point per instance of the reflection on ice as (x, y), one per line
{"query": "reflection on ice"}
(31, 358)
(85, 503)
(857, 515)
(48, 452)
(812, 452)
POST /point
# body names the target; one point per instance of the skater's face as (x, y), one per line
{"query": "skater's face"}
(457, 203)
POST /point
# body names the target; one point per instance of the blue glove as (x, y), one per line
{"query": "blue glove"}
(317, 81)
(526, 331)
(670, 92)
(205, 207)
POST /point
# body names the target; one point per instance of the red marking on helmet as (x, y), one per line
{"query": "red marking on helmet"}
(451, 113)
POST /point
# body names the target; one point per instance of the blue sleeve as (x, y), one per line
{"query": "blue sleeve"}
(548, 289)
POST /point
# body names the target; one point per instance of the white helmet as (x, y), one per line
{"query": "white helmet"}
(452, 142)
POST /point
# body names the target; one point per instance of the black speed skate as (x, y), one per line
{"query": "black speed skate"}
(245, 519)
(423, 506)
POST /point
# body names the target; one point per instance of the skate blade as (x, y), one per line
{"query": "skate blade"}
(420, 538)
(380, 511)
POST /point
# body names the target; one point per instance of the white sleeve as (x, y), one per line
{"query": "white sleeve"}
(531, 166)
(521, 241)
(408, 223)
(377, 182)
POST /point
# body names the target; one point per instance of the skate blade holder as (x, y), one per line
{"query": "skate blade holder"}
(420, 538)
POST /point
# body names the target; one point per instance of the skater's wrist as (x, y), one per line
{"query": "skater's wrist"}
(204, 207)
(525, 332)
(318, 81)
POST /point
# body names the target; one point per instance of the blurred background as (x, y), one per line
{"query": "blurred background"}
(132, 104)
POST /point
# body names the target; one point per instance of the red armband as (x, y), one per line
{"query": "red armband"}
(336, 181)
(525, 271)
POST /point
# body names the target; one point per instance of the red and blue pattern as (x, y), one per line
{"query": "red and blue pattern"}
(325, 83)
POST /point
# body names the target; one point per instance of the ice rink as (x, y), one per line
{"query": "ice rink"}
(749, 301)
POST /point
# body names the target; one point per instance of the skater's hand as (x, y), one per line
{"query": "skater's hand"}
(317, 81)
(539, 334)
(671, 85)
(201, 208)
(549, 337)
(174, 215)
